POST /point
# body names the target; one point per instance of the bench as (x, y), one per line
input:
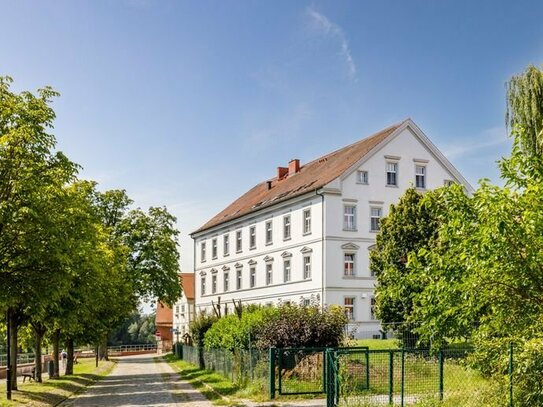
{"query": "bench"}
(29, 372)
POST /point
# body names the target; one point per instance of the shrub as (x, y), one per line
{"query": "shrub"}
(295, 326)
(200, 326)
(232, 333)
(528, 373)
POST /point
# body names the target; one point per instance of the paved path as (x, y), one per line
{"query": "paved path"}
(140, 381)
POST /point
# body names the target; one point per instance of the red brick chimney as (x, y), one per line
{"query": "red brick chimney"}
(293, 167)
(281, 172)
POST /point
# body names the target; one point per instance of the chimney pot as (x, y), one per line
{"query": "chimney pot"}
(293, 167)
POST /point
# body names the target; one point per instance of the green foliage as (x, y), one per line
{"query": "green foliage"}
(136, 328)
(199, 326)
(233, 333)
(296, 326)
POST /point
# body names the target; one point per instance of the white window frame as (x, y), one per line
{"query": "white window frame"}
(203, 251)
(226, 244)
(252, 237)
(226, 281)
(375, 219)
(287, 227)
(307, 221)
(349, 308)
(214, 249)
(239, 278)
(349, 266)
(448, 182)
(307, 266)
(239, 241)
(252, 277)
(203, 284)
(391, 168)
(287, 270)
(362, 177)
(420, 175)
(349, 217)
(214, 284)
(269, 273)
(269, 232)
(306, 302)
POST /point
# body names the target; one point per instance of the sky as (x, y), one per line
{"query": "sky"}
(190, 104)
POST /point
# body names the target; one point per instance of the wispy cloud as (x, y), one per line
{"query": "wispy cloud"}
(489, 138)
(321, 24)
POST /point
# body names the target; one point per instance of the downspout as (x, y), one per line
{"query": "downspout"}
(322, 247)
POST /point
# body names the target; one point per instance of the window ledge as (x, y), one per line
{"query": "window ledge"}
(252, 248)
(239, 251)
(269, 243)
(391, 186)
(350, 230)
(286, 239)
(306, 234)
(374, 231)
(226, 255)
(362, 183)
(214, 258)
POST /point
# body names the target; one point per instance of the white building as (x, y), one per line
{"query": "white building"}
(184, 310)
(304, 235)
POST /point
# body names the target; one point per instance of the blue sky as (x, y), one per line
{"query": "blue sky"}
(189, 104)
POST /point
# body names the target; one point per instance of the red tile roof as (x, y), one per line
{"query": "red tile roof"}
(187, 282)
(164, 315)
(312, 176)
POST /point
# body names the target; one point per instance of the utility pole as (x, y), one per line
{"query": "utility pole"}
(8, 366)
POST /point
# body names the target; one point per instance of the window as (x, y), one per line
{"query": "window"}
(306, 302)
(238, 241)
(252, 237)
(214, 248)
(226, 245)
(269, 273)
(349, 217)
(286, 227)
(226, 281)
(448, 182)
(177, 309)
(420, 176)
(203, 285)
(252, 277)
(362, 177)
(348, 265)
(213, 284)
(238, 279)
(392, 173)
(203, 251)
(269, 232)
(348, 305)
(307, 221)
(286, 271)
(375, 217)
(372, 308)
(307, 267)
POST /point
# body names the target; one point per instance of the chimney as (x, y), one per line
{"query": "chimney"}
(269, 184)
(282, 172)
(293, 167)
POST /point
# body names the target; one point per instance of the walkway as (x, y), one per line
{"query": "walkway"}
(140, 381)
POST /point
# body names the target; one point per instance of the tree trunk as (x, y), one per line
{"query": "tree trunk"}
(96, 355)
(56, 351)
(13, 347)
(103, 349)
(39, 331)
(70, 361)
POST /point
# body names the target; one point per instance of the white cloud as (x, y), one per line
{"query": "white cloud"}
(492, 137)
(321, 24)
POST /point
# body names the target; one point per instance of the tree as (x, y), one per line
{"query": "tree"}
(409, 227)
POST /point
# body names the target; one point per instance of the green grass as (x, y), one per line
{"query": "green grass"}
(377, 344)
(51, 392)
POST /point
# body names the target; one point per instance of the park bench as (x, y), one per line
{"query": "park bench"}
(29, 372)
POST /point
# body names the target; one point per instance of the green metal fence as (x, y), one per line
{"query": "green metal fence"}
(241, 367)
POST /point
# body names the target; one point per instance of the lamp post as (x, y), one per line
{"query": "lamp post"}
(8, 351)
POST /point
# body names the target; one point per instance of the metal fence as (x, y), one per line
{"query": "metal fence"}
(242, 367)
(132, 348)
(22, 358)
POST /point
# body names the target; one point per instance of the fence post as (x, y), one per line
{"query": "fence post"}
(403, 377)
(441, 361)
(271, 364)
(367, 369)
(510, 374)
(390, 377)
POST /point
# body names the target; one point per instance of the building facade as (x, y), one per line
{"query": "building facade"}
(305, 235)
(183, 309)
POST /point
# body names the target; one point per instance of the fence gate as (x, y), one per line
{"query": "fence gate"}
(346, 367)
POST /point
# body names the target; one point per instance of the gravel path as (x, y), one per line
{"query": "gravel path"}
(140, 381)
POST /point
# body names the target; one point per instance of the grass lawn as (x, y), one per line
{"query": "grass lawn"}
(51, 392)
(377, 344)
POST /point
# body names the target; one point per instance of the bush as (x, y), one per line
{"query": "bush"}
(232, 333)
(295, 326)
(528, 373)
(200, 326)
